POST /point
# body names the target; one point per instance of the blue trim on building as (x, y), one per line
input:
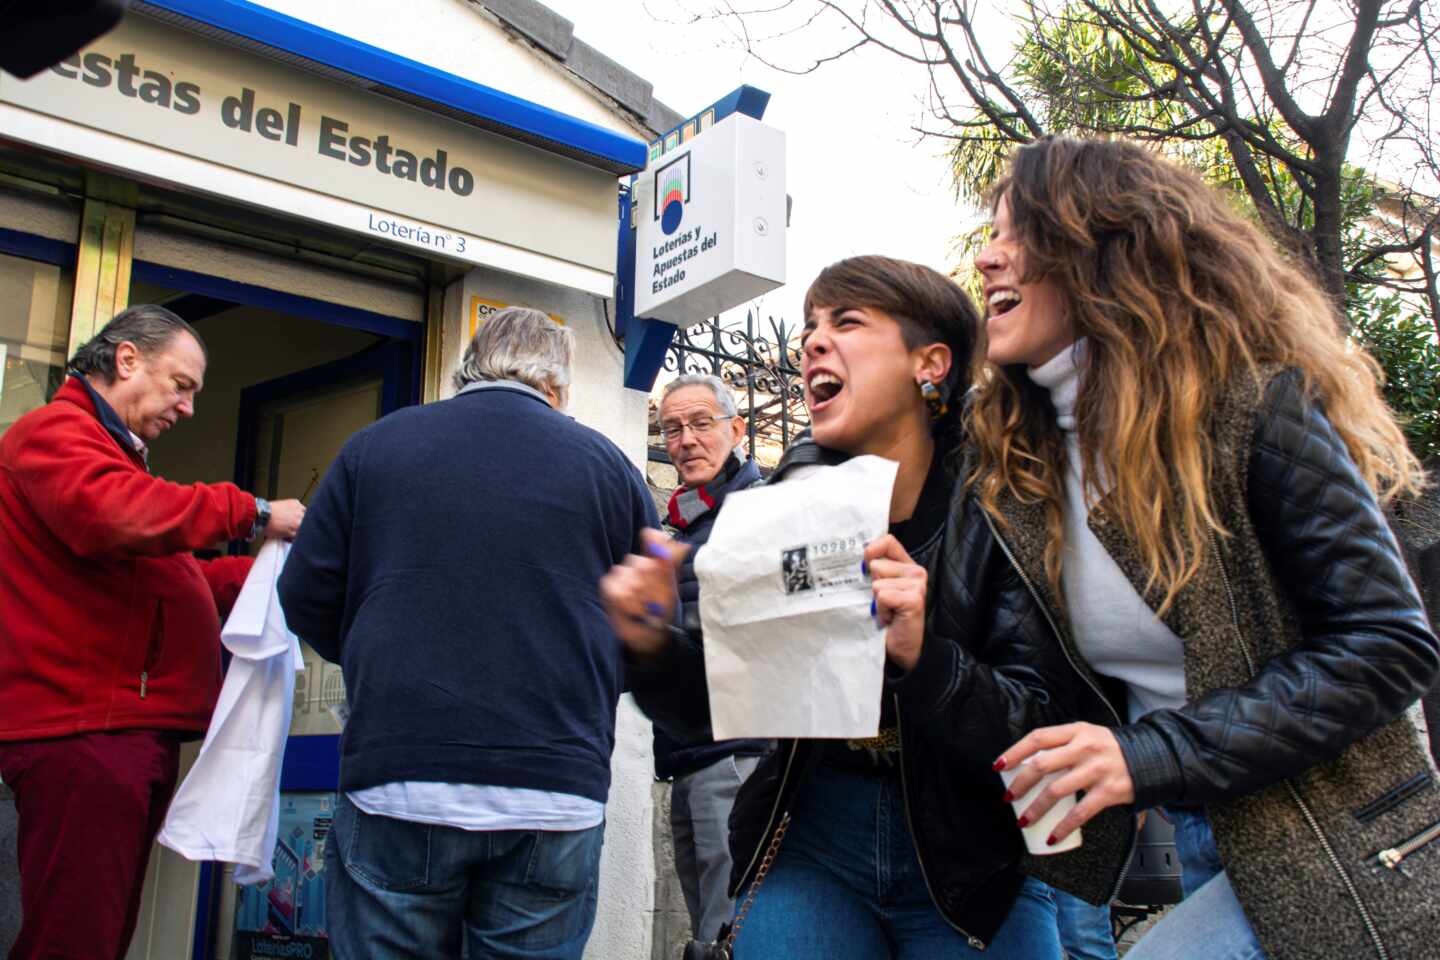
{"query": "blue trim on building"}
(311, 763)
(202, 947)
(486, 106)
(625, 261)
(34, 247)
(251, 295)
(646, 341)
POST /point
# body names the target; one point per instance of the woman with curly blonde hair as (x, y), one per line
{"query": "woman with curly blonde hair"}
(1185, 458)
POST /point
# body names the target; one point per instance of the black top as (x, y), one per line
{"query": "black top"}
(920, 536)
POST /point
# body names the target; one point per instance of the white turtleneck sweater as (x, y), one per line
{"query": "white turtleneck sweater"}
(1117, 632)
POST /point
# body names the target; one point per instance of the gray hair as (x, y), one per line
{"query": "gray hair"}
(723, 396)
(149, 326)
(518, 343)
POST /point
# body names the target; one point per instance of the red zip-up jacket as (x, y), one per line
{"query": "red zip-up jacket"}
(106, 620)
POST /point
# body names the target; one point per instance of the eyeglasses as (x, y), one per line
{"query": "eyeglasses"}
(699, 426)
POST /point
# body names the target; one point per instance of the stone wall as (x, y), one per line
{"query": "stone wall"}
(672, 920)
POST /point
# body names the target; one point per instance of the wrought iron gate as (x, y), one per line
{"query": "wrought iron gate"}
(762, 367)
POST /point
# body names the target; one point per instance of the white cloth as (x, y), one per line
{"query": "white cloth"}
(471, 806)
(1116, 631)
(228, 807)
(791, 648)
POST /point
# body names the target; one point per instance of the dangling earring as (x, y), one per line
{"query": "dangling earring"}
(931, 395)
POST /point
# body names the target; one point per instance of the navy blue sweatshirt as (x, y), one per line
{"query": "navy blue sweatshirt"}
(451, 565)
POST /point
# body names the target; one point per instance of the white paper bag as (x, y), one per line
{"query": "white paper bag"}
(791, 649)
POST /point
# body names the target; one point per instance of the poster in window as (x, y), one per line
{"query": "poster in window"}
(285, 917)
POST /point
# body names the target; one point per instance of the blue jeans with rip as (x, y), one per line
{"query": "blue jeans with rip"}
(395, 888)
(846, 885)
(1209, 921)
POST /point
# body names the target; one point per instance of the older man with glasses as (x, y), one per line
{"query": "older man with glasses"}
(704, 436)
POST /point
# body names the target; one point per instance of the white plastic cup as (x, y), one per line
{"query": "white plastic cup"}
(1038, 832)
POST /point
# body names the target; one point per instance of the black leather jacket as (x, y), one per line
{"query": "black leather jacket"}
(1367, 652)
(1304, 645)
(989, 671)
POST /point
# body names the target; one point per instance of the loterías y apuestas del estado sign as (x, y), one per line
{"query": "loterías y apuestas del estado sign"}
(710, 222)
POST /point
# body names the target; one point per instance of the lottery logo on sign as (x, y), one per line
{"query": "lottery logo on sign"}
(672, 192)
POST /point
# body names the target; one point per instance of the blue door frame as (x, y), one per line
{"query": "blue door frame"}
(312, 762)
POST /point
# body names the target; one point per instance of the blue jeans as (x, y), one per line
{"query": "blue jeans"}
(395, 888)
(846, 885)
(1209, 921)
(1085, 930)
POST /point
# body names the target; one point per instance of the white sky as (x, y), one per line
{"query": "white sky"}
(861, 180)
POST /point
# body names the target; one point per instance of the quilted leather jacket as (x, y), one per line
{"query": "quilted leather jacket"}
(1306, 649)
(990, 670)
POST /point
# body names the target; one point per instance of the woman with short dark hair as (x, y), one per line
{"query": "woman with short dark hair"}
(897, 845)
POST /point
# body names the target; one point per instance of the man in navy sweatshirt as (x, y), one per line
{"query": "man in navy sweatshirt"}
(450, 564)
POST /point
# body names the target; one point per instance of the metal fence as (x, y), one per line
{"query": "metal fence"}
(761, 365)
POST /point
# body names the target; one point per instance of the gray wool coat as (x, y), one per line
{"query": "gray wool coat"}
(1301, 852)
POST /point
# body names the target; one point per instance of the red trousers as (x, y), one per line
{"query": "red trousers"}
(89, 808)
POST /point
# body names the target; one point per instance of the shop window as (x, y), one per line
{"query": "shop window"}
(35, 300)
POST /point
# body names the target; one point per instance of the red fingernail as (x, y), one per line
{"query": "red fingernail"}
(998, 765)
(1050, 841)
(1023, 822)
(1009, 797)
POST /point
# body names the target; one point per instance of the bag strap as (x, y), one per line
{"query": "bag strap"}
(765, 864)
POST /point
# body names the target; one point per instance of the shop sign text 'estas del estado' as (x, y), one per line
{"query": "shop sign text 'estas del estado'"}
(427, 180)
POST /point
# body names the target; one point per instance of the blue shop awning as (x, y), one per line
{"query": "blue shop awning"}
(346, 60)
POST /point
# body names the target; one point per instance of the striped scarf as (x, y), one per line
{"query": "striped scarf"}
(688, 504)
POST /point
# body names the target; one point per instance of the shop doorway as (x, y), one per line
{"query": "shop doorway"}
(291, 428)
(289, 380)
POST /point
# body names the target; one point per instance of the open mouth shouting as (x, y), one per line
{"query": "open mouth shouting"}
(1001, 300)
(823, 387)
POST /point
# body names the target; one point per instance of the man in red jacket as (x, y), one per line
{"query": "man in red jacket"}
(109, 627)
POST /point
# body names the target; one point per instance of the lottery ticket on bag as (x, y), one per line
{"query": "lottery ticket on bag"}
(791, 649)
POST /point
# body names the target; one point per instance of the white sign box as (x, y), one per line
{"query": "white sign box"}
(710, 222)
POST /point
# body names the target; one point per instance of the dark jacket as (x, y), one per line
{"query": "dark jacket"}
(451, 564)
(1305, 645)
(679, 756)
(107, 622)
(989, 671)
